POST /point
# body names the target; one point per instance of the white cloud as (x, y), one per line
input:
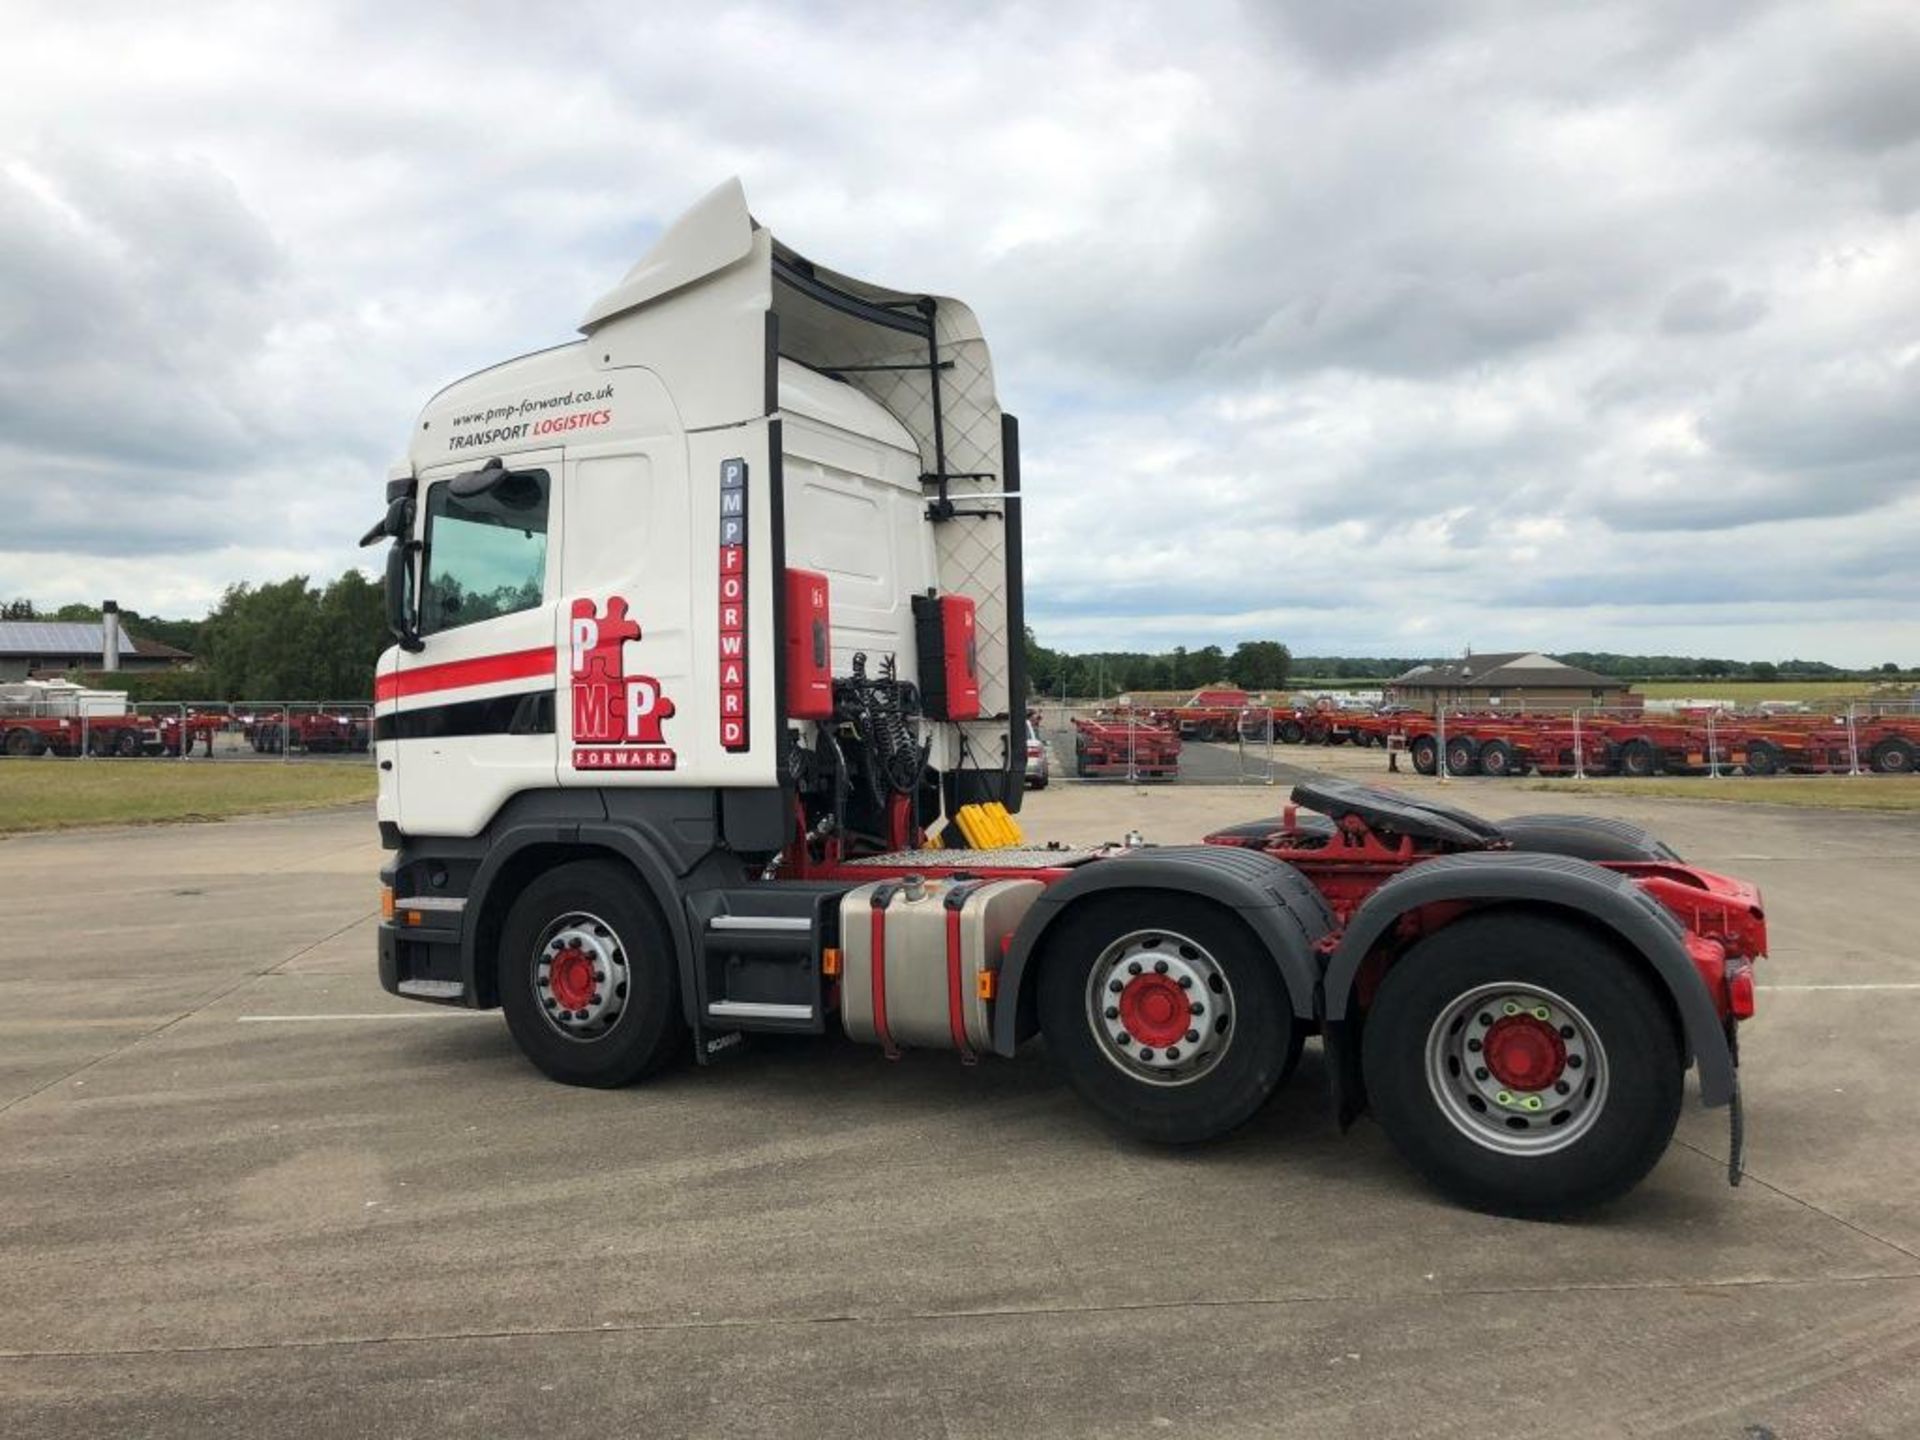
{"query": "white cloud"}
(1489, 322)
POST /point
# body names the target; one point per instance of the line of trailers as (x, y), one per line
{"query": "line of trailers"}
(1506, 744)
(130, 735)
(1649, 744)
(1485, 743)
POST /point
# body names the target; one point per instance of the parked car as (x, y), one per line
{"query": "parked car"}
(1036, 759)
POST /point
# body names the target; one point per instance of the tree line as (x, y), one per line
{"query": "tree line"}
(294, 640)
(1252, 665)
(291, 640)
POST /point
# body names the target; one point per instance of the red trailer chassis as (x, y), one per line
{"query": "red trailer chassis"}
(1124, 746)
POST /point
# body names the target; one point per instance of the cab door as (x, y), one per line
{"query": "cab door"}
(473, 716)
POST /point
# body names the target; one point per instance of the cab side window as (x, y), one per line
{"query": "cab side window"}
(486, 554)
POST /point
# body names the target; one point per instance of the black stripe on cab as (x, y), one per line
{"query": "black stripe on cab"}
(527, 713)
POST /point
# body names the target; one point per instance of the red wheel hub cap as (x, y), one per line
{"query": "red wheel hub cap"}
(1524, 1053)
(1155, 1011)
(570, 977)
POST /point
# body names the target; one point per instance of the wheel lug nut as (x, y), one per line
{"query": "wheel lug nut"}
(1113, 1012)
(1480, 1073)
(1186, 982)
(1116, 986)
(1199, 1009)
(1562, 1086)
(1574, 1062)
(1173, 1052)
(1474, 1045)
(1566, 1032)
(1485, 1019)
(1134, 967)
(1145, 1053)
(1159, 967)
(1193, 1037)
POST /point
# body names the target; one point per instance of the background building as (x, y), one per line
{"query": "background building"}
(53, 647)
(1514, 680)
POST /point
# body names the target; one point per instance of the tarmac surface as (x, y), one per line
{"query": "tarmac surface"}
(246, 1192)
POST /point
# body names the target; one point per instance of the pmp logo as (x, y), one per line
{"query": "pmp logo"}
(617, 717)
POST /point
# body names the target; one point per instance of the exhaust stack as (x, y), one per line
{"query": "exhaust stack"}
(109, 635)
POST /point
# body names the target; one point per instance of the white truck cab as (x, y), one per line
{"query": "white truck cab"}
(706, 708)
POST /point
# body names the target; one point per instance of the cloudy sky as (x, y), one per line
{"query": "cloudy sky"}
(1377, 328)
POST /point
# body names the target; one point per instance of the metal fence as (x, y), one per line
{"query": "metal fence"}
(1273, 744)
(189, 731)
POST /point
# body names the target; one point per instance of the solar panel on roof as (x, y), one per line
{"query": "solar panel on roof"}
(56, 637)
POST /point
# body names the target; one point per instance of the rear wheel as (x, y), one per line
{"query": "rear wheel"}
(1523, 1065)
(588, 977)
(1463, 756)
(1426, 755)
(1496, 759)
(127, 744)
(1165, 1014)
(21, 741)
(1893, 756)
(1763, 758)
(1292, 732)
(1637, 758)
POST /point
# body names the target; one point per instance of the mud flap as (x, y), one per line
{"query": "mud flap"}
(710, 1047)
(1736, 1135)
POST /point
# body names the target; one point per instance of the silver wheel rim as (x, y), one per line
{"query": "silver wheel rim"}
(1136, 1018)
(1495, 1112)
(570, 1006)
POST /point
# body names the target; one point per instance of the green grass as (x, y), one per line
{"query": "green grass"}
(1752, 692)
(1822, 792)
(58, 794)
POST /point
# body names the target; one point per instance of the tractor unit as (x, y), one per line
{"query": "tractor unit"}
(706, 711)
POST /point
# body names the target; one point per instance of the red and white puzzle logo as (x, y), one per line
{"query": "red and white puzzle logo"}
(617, 717)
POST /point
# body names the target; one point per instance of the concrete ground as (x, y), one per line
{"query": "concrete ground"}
(245, 1192)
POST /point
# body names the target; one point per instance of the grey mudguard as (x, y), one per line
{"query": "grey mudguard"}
(1275, 900)
(1608, 898)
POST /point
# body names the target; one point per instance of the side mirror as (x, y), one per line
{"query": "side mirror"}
(396, 524)
(400, 597)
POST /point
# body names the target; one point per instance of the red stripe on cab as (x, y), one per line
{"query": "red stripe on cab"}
(481, 670)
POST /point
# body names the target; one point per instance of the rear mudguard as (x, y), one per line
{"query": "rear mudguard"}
(1273, 899)
(1603, 896)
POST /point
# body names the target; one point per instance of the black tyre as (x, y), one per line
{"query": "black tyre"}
(127, 744)
(21, 741)
(1763, 758)
(1523, 1065)
(1292, 732)
(1165, 1014)
(1496, 759)
(1893, 756)
(1426, 755)
(588, 976)
(1637, 758)
(1463, 756)
(1039, 782)
(1586, 837)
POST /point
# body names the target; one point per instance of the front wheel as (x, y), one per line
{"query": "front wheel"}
(1426, 755)
(1166, 1015)
(1523, 1065)
(588, 977)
